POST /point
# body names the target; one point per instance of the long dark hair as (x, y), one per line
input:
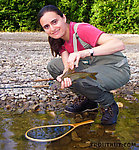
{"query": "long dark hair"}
(55, 44)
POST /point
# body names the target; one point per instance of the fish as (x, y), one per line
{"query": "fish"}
(73, 75)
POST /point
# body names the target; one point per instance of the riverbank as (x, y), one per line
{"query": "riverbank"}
(24, 58)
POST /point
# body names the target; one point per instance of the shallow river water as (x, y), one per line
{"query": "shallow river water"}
(123, 135)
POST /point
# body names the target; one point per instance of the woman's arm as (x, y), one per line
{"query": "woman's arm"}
(64, 57)
(107, 45)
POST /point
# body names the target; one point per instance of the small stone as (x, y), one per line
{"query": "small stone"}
(75, 136)
(64, 101)
(35, 98)
(3, 98)
(120, 105)
(113, 91)
(10, 98)
(137, 91)
(78, 118)
(52, 114)
(8, 107)
(43, 97)
(21, 96)
(63, 95)
(36, 107)
(84, 145)
(129, 97)
(20, 111)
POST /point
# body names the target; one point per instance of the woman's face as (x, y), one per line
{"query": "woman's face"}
(53, 24)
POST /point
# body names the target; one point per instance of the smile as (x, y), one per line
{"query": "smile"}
(55, 32)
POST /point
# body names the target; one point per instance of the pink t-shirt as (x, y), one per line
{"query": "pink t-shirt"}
(86, 32)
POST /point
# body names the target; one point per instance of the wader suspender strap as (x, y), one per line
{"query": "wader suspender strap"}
(87, 46)
(75, 37)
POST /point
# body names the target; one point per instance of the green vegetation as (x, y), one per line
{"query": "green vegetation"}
(112, 16)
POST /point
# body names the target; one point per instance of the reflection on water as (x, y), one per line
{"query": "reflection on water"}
(123, 135)
(6, 142)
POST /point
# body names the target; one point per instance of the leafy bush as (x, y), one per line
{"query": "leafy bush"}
(113, 16)
(19, 15)
(76, 10)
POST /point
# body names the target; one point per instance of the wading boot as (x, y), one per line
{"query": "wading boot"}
(86, 105)
(110, 114)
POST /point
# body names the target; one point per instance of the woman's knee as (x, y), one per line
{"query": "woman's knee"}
(53, 64)
(55, 67)
(50, 65)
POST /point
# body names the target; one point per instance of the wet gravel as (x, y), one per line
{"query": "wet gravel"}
(24, 58)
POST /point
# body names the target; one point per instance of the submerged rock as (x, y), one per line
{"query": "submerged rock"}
(20, 111)
(84, 145)
(75, 137)
(51, 114)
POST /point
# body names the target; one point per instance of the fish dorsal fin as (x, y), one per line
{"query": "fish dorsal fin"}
(69, 71)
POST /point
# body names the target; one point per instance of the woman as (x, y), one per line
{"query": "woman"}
(85, 48)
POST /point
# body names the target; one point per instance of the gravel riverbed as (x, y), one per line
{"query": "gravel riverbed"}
(24, 58)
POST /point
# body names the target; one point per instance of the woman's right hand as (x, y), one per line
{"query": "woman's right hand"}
(59, 78)
(65, 83)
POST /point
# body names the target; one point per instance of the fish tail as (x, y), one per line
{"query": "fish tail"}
(93, 75)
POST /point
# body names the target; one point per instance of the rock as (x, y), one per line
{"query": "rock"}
(84, 145)
(137, 91)
(43, 97)
(75, 137)
(36, 107)
(64, 101)
(63, 95)
(10, 98)
(22, 96)
(20, 111)
(3, 98)
(78, 118)
(129, 97)
(34, 97)
(120, 105)
(52, 114)
(8, 107)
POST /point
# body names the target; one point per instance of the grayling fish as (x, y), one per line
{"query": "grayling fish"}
(74, 76)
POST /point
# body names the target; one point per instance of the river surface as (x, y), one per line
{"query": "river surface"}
(123, 135)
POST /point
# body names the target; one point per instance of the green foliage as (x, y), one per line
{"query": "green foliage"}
(113, 16)
(19, 15)
(70, 8)
(76, 10)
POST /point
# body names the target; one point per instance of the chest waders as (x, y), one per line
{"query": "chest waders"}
(118, 59)
(113, 72)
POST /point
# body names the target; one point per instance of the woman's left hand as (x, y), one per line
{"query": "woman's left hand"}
(73, 60)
